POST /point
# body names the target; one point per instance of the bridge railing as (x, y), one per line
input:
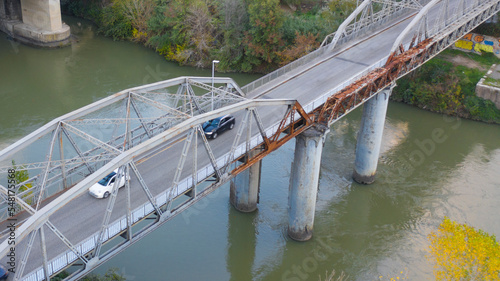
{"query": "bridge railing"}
(353, 30)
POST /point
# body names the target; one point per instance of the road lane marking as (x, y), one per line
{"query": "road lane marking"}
(146, 159)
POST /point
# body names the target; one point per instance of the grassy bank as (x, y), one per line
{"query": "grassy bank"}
(446, 85)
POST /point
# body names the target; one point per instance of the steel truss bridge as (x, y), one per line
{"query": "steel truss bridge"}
(153, 133)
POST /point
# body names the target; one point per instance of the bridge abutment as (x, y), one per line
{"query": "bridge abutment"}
(244, 188)
(304, 181)
(34, 22)
(370, 137)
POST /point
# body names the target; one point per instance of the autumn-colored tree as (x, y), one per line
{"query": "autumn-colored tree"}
(303, 44)
(21, 175)
(263, 38)
(201, 31)
(138, 13)
(461, 252)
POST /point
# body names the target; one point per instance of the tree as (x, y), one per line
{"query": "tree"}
(22, 175)
(461, 252)
(263, 38)
(234, 17)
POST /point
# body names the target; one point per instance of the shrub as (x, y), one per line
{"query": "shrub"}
(461, 252)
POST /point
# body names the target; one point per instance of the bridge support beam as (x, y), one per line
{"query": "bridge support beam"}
(244, 188)
(304, 181)
(37, 22)
(370, 137)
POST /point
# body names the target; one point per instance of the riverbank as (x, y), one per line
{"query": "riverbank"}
(430, 167)
(254, 36)
(260, 36)
(446, 84)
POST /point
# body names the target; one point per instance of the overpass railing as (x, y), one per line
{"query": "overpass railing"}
(353, 30)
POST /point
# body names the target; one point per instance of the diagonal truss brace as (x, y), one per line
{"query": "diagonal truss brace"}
(175, 112)
(47, 168)
(91, 139)
(180, 167)
(146, 189)
(109, 210)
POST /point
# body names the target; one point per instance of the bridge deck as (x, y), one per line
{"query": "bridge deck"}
(81, 219)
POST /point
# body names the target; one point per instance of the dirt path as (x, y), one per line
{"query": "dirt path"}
(462, 60)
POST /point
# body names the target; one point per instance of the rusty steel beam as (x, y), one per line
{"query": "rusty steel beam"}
(270, 144)
(367, 86)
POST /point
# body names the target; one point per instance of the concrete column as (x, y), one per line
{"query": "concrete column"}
(244, 189)
(370, 137)
(43, 14)
(304, 180)
(38, 24)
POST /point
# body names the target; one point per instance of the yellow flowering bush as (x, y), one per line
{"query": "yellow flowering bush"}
(461, 252)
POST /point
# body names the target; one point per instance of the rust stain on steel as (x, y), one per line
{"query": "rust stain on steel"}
(368, 85)
(338, 104)
(272, 143)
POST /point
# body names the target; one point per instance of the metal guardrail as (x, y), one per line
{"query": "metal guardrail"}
(315, 54)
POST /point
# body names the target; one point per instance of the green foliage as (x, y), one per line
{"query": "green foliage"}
(90, 9)
(305, 24)
(113, 23)
(245, 35)
(21, 175)
(461, 252)
(490, 29)
(233, 23)
(60, 276)
(263, 38)
(110, 275)
(442, 87)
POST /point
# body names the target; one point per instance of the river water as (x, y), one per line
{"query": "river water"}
(431, 166)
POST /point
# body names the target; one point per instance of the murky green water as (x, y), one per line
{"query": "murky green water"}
(431, 167)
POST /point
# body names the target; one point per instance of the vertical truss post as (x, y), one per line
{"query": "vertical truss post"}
(195, 165)
(129, 206)
(126, 139)
(44, 253)
(63, 163)
(249, 133)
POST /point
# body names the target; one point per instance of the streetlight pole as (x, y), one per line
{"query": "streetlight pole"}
(213, 75)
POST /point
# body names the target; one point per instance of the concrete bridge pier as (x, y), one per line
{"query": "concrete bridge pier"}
(244, 188)
(370, 137)
(34, 22)
(304, 181)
